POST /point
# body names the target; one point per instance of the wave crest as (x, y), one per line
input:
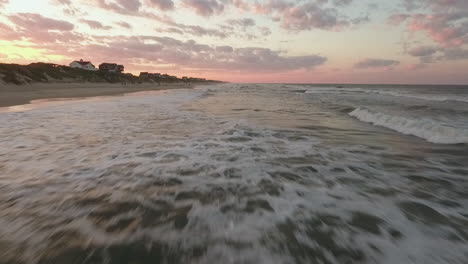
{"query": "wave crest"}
(427, 129)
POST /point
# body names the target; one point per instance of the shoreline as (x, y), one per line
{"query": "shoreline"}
(13, 95)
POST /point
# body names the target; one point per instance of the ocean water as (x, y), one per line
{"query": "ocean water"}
(238, 173)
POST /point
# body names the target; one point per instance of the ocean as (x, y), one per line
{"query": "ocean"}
(238, 173)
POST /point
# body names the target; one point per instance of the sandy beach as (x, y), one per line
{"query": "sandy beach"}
(11, 95)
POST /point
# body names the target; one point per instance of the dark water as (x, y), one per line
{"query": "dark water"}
(239, 174)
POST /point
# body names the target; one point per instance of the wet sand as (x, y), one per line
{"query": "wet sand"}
(11, 95)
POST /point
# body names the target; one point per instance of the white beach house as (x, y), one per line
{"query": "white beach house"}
(85, 65)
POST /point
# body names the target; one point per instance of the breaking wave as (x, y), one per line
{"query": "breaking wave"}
(427, 129)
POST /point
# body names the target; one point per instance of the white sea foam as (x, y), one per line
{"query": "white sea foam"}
(430, 130)
(427, 97)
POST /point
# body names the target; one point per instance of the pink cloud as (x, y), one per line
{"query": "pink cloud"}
(241, 4)
(40, 29)
(68, 7)
(442, 27)
(205, 7)
(37, 22)
(155, 51)
(443, 21)
(125, 7)
(162, 4)
(131, 5)
(8, 33)
(95, 24)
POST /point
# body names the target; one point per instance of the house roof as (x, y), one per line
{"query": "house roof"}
(111, 66)
(83, 62)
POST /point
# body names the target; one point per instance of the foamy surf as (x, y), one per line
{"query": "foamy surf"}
(427, 129)
(427, 97)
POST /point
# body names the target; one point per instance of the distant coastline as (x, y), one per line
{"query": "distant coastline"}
(15, 74)
(21, 84)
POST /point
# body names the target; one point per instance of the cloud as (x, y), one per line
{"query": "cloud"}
(298, 15)
(311, 16)
(265, 31)
(62, 2)
(40, 29)
(194, 30)
(443, 21)
(425, 54)
(68, 7)
(162, 4)
(123, 24)
(376, 63)
(205, 7)
(8, 33)
(254, 59)
(242, 22)
(456, 54)
(447, 29)
(95, 24)
(397, 19)
(224, 49)
(38, 22)
(422, 51)
(138, 10)
(125, 7)
(3, 3)
(428, 54)
(171, 30)
(292, 15)
(241, 4)
(262, 59)
(155, 51)
(131, 5)
(342, 2)
(411, 5)
(222, 31)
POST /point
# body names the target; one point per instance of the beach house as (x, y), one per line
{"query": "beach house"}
(85, 65)
(111, 67)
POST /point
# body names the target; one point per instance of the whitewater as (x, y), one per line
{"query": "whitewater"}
(238, 173)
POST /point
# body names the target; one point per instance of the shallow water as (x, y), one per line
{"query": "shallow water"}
(238, 174)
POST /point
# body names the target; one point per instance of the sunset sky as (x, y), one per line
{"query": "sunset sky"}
(313, 41)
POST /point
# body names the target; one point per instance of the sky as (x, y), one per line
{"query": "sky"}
(289, 41)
